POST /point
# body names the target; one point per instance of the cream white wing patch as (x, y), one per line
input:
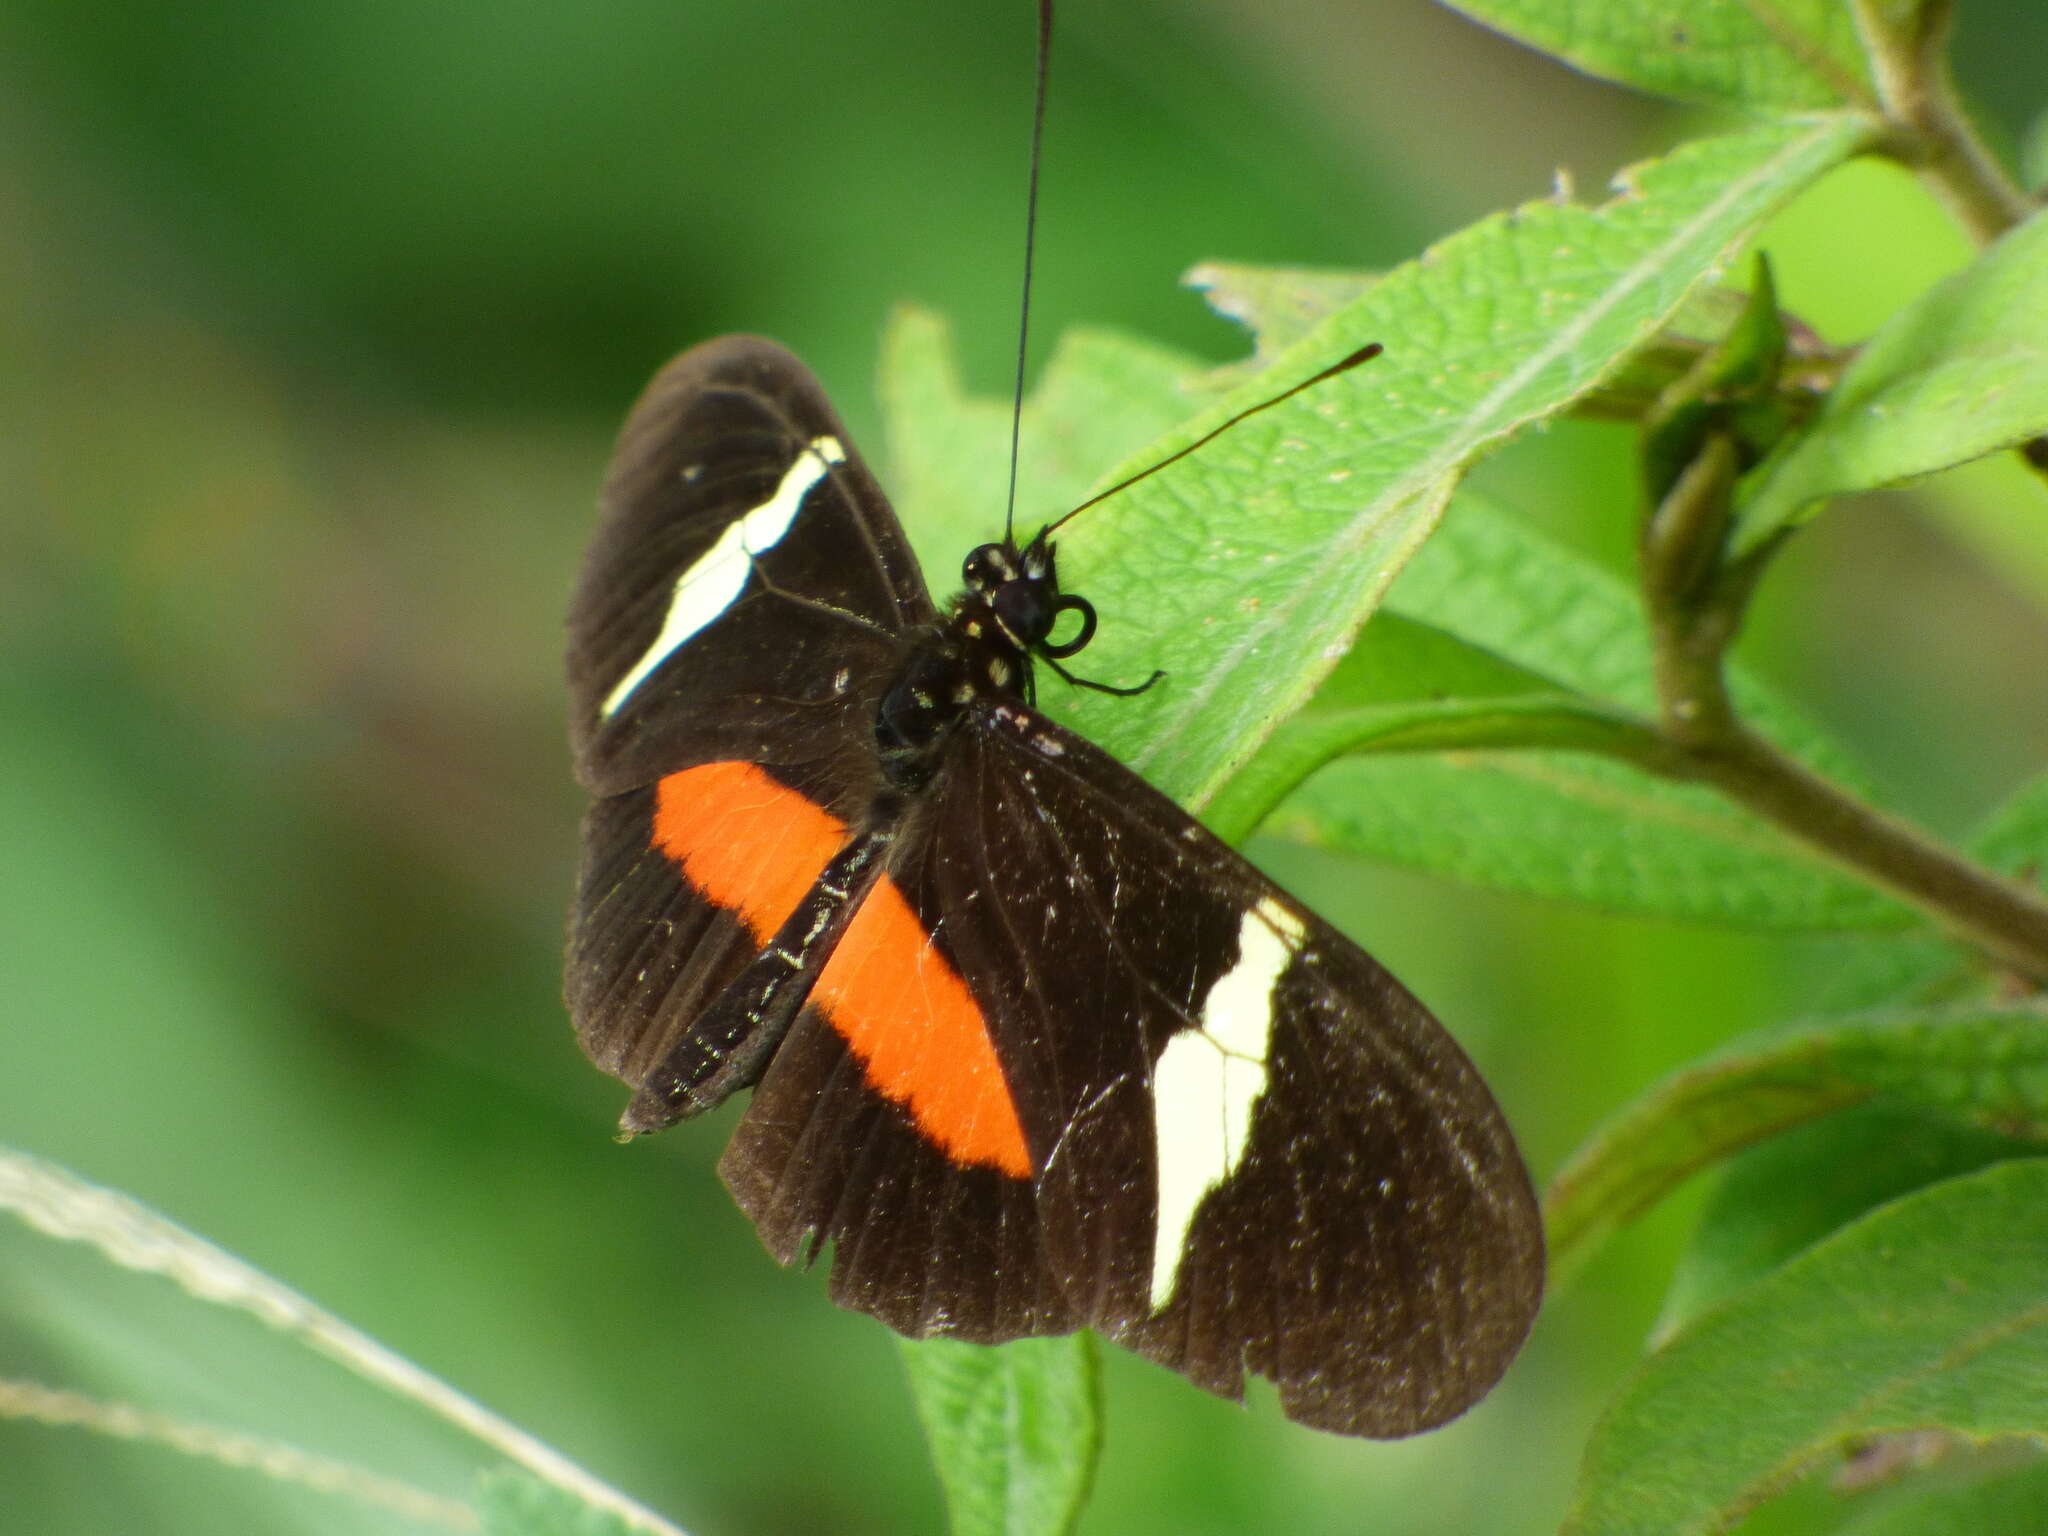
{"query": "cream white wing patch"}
(1208, 1079)
(708, 587)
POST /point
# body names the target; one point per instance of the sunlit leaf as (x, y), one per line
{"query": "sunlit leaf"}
(1244, 570)
(1278, 305)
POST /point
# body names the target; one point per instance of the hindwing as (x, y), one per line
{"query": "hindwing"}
(1253, 1148)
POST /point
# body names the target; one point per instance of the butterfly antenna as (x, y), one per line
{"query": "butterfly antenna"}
(1030, 248)
(1364, 354)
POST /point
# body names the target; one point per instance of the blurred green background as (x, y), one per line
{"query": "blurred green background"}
(315, 324)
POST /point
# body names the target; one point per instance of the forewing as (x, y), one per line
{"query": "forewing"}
(1255, 1150)
(748, 583)
(646, 952)
(746, 597)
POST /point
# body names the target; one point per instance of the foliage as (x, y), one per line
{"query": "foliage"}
(1515, 717)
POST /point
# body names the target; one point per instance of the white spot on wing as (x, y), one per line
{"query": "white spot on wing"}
(707, 588)
(1208, 1080)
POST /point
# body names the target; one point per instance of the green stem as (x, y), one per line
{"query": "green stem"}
(1931, 133)
(1696, 595)
(1696, 601)
(1996, 916)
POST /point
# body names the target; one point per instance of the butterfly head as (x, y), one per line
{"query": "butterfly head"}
(1020, 589)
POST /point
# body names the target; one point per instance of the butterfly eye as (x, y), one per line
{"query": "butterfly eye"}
(986, 568)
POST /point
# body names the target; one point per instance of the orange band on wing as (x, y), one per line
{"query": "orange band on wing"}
(756, 847)
(745, 841)
(905, 1012)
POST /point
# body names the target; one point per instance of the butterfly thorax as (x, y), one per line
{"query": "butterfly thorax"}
(983, 650)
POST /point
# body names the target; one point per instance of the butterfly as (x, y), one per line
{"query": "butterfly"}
(1028, 1048)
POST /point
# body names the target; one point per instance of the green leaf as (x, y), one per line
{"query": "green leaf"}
(1281, 305)
(225, 1363)
(1574, 827)
(2012, 1501)
(1407, 687)
(1766, 55)
(1787, 1193)
(512, 1503)
(2015, 838)
(1567, 642)
(1930, 1312)
(1732, 388)
(1528, 644)
(1278, 305)
(1015, 1430)
(1244, 570)
(1959, 373)
(1495, 583)
(1985, 1063)
(1844, 973)
(1101, 397)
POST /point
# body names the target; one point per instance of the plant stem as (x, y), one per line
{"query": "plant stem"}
(1696, 595)
(1932, 133)
(1696, 600)
(1997, 916)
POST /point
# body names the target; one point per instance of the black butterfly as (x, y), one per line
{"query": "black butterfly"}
(1029, 1047)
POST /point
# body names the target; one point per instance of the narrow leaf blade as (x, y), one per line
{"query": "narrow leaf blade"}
(1015, 1430)
(241, 1369)
(1984, 1063)
(513, 1503)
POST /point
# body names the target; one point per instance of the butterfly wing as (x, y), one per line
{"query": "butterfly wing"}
(923, 1240)
(748, 584)
(1253, 1148)
(1063, 1057)
(746, 597)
